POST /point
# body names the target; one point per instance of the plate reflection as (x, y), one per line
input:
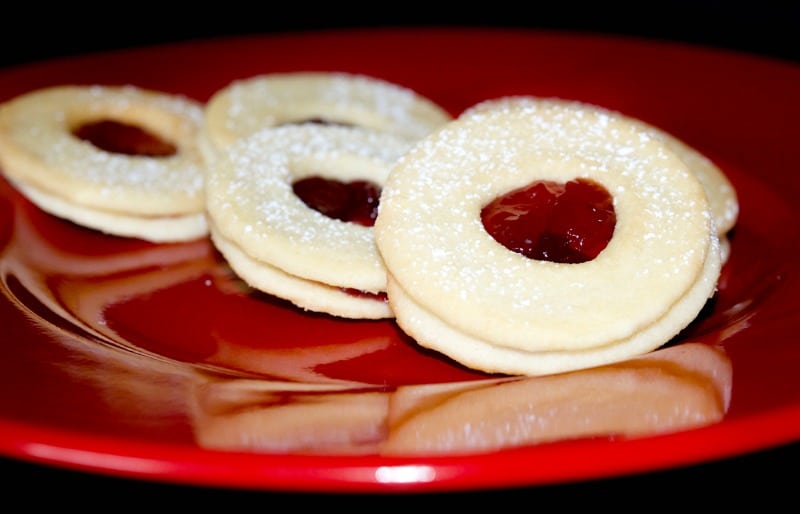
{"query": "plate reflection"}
(676, 388)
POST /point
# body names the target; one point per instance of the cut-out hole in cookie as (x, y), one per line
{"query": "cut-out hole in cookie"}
(568, 222)
(355, 201)
(116, 137)
(318, 120)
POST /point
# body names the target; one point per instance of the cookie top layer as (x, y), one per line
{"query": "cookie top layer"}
(251, 200)
(38, 148)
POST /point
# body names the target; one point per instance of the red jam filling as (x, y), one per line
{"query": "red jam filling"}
(116, 137)
(381, 297)
(568, 222)
(355, 201)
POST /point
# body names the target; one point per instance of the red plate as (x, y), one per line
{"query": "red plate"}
(152, 361)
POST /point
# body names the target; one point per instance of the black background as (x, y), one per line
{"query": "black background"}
(32, 33)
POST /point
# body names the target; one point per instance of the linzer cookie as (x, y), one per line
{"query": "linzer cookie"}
(286, 209)
(542, 236)
(56, 148)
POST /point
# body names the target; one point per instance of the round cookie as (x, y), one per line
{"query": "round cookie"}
(276, 242)
(455, 289)
(273, 99)
(157, 198)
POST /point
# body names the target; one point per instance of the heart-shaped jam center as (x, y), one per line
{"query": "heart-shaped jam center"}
(355, 201)
(568, 222)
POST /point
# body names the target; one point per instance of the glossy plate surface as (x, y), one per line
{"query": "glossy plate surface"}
(155, 362)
